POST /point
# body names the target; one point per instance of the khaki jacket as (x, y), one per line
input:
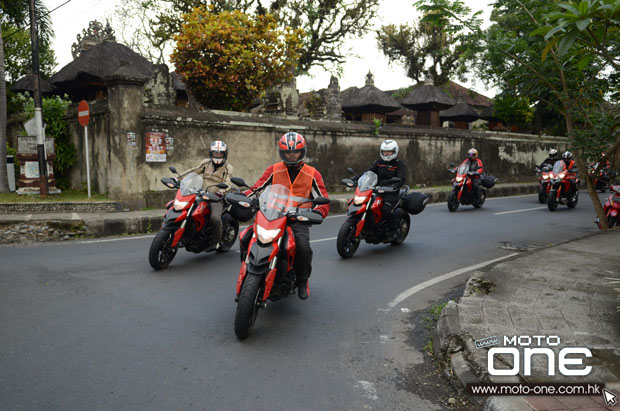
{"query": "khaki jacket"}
(212, 176)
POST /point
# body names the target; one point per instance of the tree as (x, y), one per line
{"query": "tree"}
(228, 59)
(15, 13)
(327, 23)
(18, 51)
(436, 46)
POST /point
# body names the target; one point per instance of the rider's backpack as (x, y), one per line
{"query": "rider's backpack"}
(414, 203)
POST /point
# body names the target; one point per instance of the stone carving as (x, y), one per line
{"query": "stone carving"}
(334, 101)
(370, 79)
(95, 34)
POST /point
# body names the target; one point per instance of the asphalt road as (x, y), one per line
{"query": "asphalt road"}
(89, 325)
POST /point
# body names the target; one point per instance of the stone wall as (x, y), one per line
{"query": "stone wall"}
(119, 168)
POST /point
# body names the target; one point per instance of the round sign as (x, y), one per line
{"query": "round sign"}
(83, 113)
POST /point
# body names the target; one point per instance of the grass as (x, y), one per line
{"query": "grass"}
(65, 196)
(434, 312)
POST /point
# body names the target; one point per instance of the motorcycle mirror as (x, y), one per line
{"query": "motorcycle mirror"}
(222, 185)
(321, 201)
(168, 182)
(350, 170)
(238, 181)
(173, 169)
(347, 182)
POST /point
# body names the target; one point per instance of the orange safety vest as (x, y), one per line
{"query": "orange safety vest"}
(301, 188)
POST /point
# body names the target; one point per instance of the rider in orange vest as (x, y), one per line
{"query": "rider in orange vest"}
(304, 182)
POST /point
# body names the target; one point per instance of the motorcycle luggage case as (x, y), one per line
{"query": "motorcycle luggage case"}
(242, 213)
(488, 181)
(414, 203)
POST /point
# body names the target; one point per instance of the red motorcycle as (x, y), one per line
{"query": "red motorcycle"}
(267, 271)
(612, 207)
(365, 218)
(560, 187)
(462, 187)
(543, 183)
(185, 223)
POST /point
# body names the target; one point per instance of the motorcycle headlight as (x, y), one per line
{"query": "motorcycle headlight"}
(545, 177)
(179, 205)
(266, 236)
(459, 179)
(357, 200)
(562, 175)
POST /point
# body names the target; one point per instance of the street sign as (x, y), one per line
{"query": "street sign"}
(83, 113)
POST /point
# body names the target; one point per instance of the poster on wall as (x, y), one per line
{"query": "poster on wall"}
(131, 139)
(155, 146)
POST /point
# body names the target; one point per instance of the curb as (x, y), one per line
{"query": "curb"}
(116, 226)
(61, 207)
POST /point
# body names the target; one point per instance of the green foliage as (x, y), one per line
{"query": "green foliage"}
(229, 59)
(377, 124)
(513, 110)
(315, 105)
(54, 109)
(597, 136)
(436, 43)
(18, 51)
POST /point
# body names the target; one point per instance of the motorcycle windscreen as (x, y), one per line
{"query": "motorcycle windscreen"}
(463, 169)
(559, 167)
(191, 184)
(275, 202)
(367, 181)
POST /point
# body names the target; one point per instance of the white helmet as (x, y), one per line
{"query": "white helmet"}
(386, 147)
(218, 152)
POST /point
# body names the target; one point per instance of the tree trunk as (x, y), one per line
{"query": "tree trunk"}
(583, 170)
(4, 183)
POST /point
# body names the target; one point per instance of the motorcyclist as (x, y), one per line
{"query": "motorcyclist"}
(387, 168)
(304, 182)
(215, 169)
(567, 157)
(475, 168)
(551, 160)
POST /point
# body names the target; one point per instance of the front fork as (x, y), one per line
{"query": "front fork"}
(269, 276)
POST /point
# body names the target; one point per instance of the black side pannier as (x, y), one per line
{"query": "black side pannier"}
(414, 203)
(242, 213)
(488, 181)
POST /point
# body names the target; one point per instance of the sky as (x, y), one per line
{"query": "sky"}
(69, 20)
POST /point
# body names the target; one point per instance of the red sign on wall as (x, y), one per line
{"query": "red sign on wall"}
(155, 146)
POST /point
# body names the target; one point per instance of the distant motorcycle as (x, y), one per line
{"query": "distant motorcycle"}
(462, 187)
(186, 223)
(603, 178)
(268, 251)
(543, 182)
(612, 207)
(560, 188)
(365, 218)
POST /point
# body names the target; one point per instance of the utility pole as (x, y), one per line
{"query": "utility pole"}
(38, 112)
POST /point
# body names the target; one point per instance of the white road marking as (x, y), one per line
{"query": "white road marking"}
(324, 239)
(369, 389)
(519, 211)
(411, 291)
(109, 240)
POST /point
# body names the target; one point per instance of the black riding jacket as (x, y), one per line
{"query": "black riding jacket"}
(385, 170)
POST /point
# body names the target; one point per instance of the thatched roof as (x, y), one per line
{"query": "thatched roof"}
(427, 97)
(26, 83)
(459, 112)
(369, 99)
(104, 60)
(488, 114)
(460, 93)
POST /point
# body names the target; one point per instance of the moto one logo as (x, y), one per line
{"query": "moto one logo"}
(538, 345)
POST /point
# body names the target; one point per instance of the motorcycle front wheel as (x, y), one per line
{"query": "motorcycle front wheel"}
(552, 202)
(403, 229)
(347, 243)
(542, 195)
(612, 221)
(161, 253)
(453, 201)
(247, 308)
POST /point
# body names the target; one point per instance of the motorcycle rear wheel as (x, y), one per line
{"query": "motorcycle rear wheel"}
(480, 201)
(572, 202)
(160, 253)
(453, 201)
(403, 229)
(612, 221)
(552, 202)
(347, 243)
(229, 235)
(247, 308)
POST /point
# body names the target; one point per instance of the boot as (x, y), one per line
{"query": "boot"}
(303, 290)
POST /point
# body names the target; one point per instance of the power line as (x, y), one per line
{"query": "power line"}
(40, 17)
